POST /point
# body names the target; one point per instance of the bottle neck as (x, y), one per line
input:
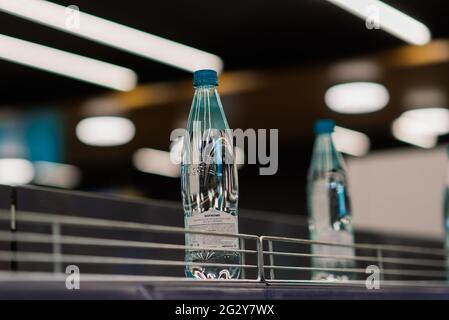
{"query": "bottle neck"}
(325, 157)
(206, 95)
(206, 87)
(207, 110)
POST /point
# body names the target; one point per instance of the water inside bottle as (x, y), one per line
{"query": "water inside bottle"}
(331, 223)
(210, 199)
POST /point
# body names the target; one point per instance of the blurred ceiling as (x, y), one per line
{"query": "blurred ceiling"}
(280, 58)
(246, 34)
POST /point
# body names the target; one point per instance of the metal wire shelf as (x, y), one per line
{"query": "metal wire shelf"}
(426, 267)
(54, 237)
(40, 245)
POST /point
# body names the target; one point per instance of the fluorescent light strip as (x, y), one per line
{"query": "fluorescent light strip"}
(56, 174)
(67, 64)
(357, 97)
(115, 35)
(430, 121)
(156, 162)
(390, 19)
(16, 171)
(410, 131)
(351, 142)
(105, 131)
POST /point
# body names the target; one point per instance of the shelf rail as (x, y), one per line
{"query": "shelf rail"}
(41, 246)
(395, 264)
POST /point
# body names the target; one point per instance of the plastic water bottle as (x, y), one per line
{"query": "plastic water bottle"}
(209, 184)
(329, 207)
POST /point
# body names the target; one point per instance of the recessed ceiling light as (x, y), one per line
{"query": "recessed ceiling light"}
(351, 142)
(105, 131)
(66, 64)
(16, 171)
(389, 19)
(357, 97)
(114, 35)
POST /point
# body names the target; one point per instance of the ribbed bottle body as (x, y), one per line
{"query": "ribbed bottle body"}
(209, 185)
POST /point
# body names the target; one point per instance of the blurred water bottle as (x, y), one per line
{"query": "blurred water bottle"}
(329, 206)
(209, 184)
(446, 220)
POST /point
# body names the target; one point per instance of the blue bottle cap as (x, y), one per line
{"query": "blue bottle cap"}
(324, 126)
(205, 77)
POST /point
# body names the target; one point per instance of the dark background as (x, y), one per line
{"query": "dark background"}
(287, 48)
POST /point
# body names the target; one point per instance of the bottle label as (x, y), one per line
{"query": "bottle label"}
(212, 221)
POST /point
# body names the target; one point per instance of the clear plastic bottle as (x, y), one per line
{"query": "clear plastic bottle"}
(209, 183)
(329, 206)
